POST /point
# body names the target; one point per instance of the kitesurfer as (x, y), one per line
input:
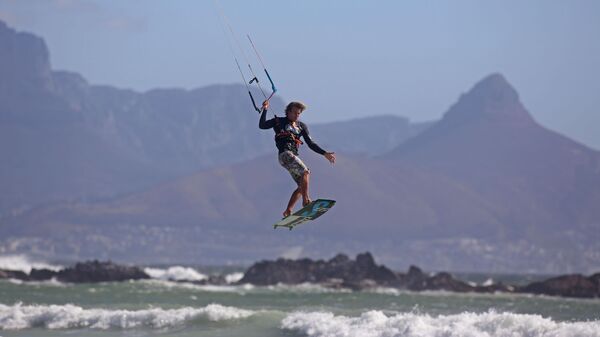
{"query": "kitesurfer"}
(288, 131)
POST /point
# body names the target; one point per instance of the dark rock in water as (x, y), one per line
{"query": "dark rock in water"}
(86, 272)
(366, 269)
(494, 288)
(415, 279)
(362, 273)
(339, 271)
(445, 281)
(13, 274)
(280, 271)
(596, 279)
(339, 259)
(359, 284)
(342, 272)
(574, 285)
(42, 274)
(95, 271)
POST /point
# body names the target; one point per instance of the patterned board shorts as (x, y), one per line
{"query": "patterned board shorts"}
(294, 165)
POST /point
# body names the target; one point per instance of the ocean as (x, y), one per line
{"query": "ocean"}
(159, 307)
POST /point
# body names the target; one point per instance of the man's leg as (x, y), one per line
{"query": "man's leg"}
(300, 174)
(304, 188)
(293, 200)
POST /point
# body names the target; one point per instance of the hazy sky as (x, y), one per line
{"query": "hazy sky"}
(344, 58)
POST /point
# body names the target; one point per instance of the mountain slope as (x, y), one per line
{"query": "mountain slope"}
(62, 138)
(184, 175)
(487, 141)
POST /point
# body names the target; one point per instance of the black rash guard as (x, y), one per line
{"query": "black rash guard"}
(287, 143)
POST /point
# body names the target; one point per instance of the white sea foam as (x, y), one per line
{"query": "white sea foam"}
(176, 273)
(25, 264)
(490, 324)
(17, 317)
(385, 291)
(305, 288)
(240, 289)
(234, 277)
(53, 282)
(488, 282)
(246, 287)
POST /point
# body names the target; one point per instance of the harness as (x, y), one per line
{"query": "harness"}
(285, 134)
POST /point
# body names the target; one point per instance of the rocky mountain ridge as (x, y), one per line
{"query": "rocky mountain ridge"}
(62, 138)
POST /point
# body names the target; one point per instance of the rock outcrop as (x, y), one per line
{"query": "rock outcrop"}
(96, 271)
(357, 274)
(84, 272)
(574, 285)
(338, 272)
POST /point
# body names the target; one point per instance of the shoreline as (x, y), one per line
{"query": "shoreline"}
(339, 272)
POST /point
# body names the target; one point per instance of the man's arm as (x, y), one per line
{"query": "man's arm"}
(313, 146)
(264, 123)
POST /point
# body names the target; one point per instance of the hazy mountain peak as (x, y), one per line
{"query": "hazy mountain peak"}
(492, 98)
(25, 59)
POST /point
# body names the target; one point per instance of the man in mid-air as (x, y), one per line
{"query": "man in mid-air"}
(288, 131)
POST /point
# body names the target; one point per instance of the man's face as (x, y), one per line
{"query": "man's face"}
(294, 114)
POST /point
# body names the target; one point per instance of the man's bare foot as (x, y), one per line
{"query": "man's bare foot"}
(287, 213)
(306, 202)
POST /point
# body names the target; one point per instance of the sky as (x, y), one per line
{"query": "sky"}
(344, 58)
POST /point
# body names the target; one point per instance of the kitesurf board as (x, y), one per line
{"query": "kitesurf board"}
(309, 212)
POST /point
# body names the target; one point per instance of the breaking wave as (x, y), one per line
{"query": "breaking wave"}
(176, 273)
(490, 324)
(305, 288)
(179, 273)
(17, 317)
(234, 277)
(24, 264)
(201, 287)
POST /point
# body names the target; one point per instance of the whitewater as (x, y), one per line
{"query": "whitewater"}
(165, 306)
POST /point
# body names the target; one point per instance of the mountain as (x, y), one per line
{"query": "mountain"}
(486, 188)
(537, 179)
(231, 210)
(174, 175)
(368, 135)
(45, 144)
(62, 138)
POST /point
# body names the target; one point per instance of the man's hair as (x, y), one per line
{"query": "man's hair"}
(292, 105)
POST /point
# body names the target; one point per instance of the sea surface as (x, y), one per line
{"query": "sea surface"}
(159, 307)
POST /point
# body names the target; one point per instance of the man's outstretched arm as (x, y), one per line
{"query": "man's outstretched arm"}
(264, 123)
(315, 147)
